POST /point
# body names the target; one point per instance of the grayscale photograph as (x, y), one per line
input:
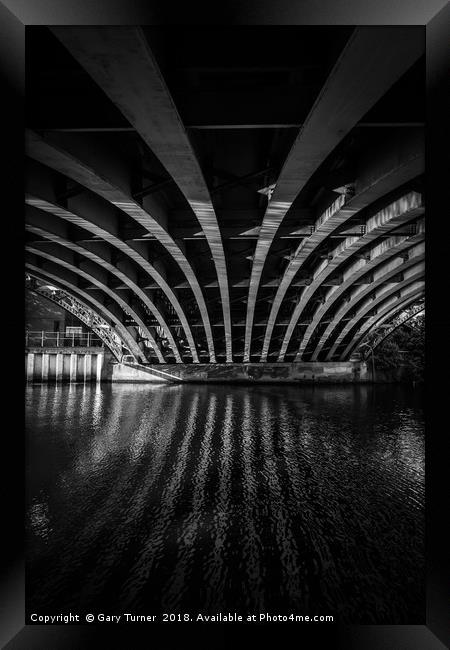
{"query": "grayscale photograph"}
(225, 319)
(224, 286)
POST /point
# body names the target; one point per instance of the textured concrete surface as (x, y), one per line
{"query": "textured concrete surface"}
(349, 371)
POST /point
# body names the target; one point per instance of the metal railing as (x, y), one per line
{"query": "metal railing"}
(42, 339)
(87, 316)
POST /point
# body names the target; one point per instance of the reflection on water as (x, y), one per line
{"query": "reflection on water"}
(209, 498)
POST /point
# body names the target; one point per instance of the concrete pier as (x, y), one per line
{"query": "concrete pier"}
(64, 365)
(45, 366)
(29, 365)
(87, 360)
(59, 366)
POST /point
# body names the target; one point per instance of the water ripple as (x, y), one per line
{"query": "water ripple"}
(208, 498)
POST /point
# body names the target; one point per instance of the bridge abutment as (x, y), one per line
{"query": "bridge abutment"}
(306, 372)
(80, 366)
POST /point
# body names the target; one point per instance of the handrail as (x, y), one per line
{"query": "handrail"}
(41, 338)
(86, 315)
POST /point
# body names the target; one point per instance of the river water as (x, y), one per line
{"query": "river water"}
(221, 498)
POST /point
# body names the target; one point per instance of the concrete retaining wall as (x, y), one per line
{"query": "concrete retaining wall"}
(312, 372)
(130, 373)
(91, 364)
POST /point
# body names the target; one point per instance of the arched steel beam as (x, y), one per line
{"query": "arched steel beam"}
(60, 265)
(398, 322)
(389, 310)
(103, 229)
(85, 314)
(120, 61)
(80, 161)
(412, 276)
(65, 282)
(400, 164)
(101, 258)
(399, 212)
(371, 62)
(59, 258)
(384, 263)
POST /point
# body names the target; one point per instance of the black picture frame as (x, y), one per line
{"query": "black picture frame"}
(434, 16)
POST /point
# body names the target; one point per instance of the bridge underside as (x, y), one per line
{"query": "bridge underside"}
(194, 202)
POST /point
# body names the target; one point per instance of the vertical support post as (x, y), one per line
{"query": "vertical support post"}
(99, 367)
(73, 339)
(57, 339)
(26, 338)
(59, 366)
(73, 367)
(45, 366)
(89, 339)
(87, 367)
(42, 338)
(30, 366)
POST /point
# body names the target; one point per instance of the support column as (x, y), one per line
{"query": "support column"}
(73, 368)
(45, 366)
(87, 367)
(99, 367)
(59, 366)
(30, 366)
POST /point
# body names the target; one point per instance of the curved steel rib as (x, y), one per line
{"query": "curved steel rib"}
(401, 211)
(394, 306)
(104, 263)
(124, 334)
(66, 263)
(112, 186)
(384, 263)
(106, 233)
(387, 55)
(398, 321)
(402, 163)
(120, 61)
(412, 277)
(84, 313)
